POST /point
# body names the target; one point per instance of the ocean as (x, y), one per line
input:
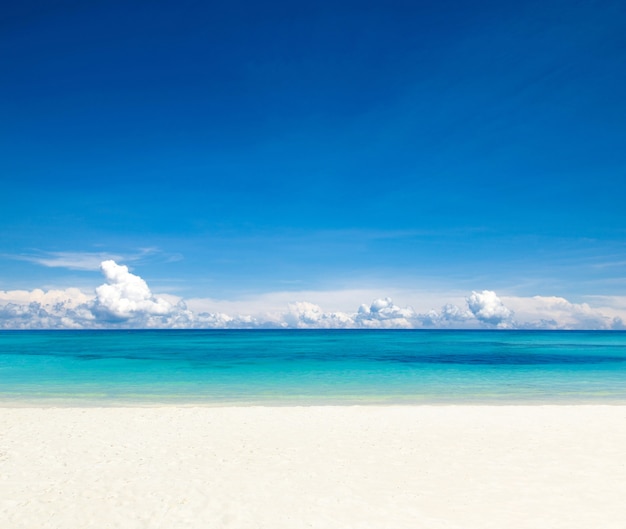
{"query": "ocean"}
(303, 367)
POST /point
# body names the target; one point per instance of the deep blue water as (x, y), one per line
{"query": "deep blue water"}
(311, 366)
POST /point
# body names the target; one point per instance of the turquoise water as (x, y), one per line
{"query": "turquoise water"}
(311, 367)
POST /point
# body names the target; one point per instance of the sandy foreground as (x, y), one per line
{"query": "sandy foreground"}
(314, 467)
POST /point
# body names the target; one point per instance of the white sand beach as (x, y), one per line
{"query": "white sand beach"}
(314, 467)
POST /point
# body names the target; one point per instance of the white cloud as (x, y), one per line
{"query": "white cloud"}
(126, 296)
(553, 312)
(487, 308)
(38, 309)
(345, 300)
(126, 301)
(87, 261)
(303, 315)
(382, 313)
(610, 302)
(36, 315)
(450, 316)
(71, 260)
(220, 320)
(71, 296)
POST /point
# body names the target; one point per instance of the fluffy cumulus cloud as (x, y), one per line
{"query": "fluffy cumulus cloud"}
(126, 296)
(487, 308)
(450, 316)
(125, 300)
(384, 314)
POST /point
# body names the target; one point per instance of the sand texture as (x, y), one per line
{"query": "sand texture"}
(314, 467)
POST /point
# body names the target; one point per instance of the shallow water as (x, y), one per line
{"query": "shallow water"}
(311, 367)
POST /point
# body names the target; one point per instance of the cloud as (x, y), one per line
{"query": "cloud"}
(54, 309)
(39, 309)
(70, 296)
(345, 300)
(70, 260)
(220, 320)
(125, 300)
(126, 296)
(553, 312)
(450, 316)
(305, 315)
(84, 261)
(610, 302)
(382, 313)
(487, 308)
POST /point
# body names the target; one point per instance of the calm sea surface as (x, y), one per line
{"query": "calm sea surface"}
(311, 367)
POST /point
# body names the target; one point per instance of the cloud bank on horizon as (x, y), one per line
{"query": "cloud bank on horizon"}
(126, 301)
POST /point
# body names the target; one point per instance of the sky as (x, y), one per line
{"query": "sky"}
(301, 164)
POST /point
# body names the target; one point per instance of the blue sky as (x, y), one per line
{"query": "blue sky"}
(225, 150)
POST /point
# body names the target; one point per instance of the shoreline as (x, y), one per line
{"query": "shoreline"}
(332, 467)
(123, 403)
